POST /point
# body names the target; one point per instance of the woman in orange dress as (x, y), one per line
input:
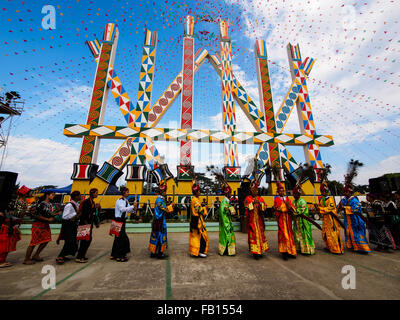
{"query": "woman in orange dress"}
(255, 207)
(282, 205)
(198, 236)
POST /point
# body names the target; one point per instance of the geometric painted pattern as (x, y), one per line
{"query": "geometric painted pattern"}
(187, 89)
(298, 90)
(146, 79)
(255, 116)
(196, 135)
(252, 112)
(124, 102)
(183, 173)
(98, 100)
(109, 173)
(228, 105)
(168, 97)
(135, 172)
(114, 84)
(299, 71)
(84, 171)
(122, 155)
(264, 87)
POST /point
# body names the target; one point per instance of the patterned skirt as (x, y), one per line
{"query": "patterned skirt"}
(8, 243)
(41, 233)
(379, 234)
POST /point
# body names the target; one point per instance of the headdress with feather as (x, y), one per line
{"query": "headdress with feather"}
(252, 170)
(323, 177)
(193, 175)
(220, 177)
(352, 172)
(276, 171)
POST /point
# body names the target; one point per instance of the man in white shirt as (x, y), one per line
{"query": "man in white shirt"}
(121, 245)
(69, 228)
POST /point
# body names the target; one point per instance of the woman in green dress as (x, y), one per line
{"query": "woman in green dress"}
(301, 227)
(227, 241)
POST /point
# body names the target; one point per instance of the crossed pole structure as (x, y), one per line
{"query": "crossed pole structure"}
(138, 152)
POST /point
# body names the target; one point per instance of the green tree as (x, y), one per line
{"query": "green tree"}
(336, 188)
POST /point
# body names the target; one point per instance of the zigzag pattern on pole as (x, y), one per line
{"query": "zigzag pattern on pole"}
(255, 116)
(138, 146)
(299, 72)
(264, 88)
(90, 145)
(118, 91)
(187, 90)
(228, 104)
(146, 79)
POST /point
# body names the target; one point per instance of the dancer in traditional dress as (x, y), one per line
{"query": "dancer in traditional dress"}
(21, 207)
(69, 226)
(378, 224)
(355, 223)
(158, 238)
(282, 205)
(302, 232)
(395, 221)
(330, 223)
(41, 233)
(227, 240)
(87, 216)
(9, 225)
(255, 207)
(198, 236)
(121, 245)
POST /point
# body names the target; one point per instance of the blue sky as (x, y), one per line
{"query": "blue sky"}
(353, 86)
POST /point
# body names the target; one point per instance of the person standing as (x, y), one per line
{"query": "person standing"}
(378, 224)
(87, 216)
(121, 244)
(255, 207)
(330, 225)
(355, 233)
(282, 205)
(9, 225)
(41, 232)
(392, 219)
(158, 238)
(301, 227)
(395, 221)
(69, 226)
(227, 240)
(198, 236)
(9, 236)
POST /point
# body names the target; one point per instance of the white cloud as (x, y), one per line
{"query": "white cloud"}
(389, 165)
(40, 161)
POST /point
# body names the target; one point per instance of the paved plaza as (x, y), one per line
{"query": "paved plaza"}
(182, 277)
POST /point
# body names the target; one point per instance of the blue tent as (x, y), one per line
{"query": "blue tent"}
(66, 190)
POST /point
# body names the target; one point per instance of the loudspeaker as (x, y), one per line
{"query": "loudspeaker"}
(7, 185)
(395, 183)
(379, 186)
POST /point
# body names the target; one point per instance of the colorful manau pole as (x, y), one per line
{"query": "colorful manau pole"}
(228, 105)
(98, 102)
(299, 71)
(255, 116)
(264, 88)
(187, 89)
(298, 95)
(90, 145)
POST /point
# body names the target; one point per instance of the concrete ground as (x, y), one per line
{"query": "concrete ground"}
(216, 277)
